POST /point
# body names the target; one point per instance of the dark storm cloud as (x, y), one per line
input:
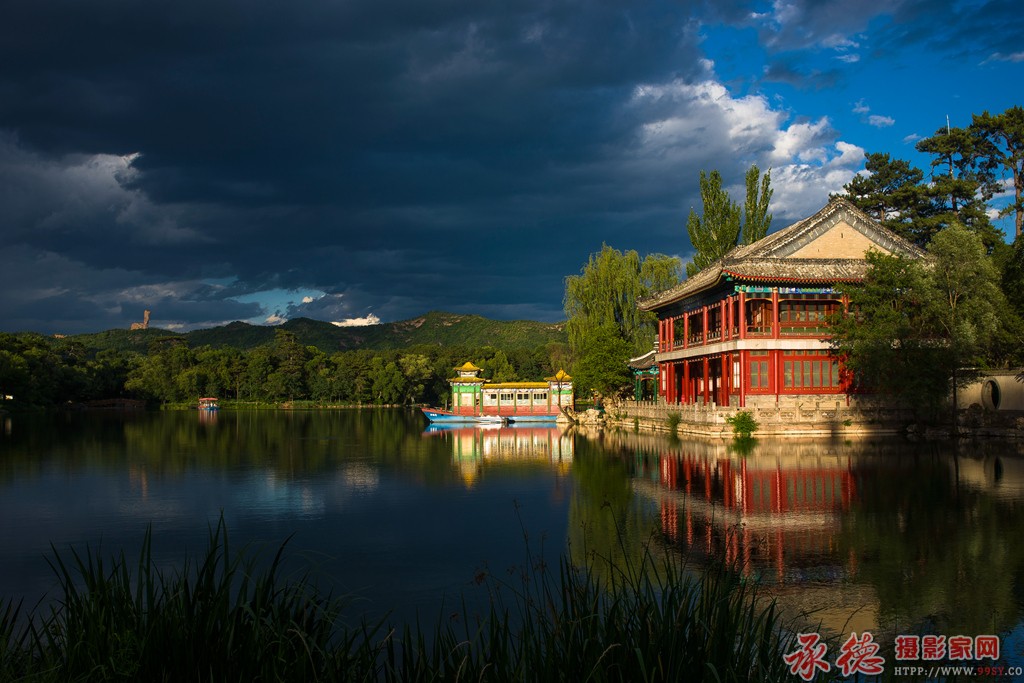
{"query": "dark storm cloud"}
(792, 72)
(376, 157)
(326, 145)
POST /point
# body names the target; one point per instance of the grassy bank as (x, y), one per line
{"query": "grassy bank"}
(222, 617)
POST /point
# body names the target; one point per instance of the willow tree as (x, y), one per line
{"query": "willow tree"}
(605, 294)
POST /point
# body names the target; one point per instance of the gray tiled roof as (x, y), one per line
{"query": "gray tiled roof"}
(768, 260)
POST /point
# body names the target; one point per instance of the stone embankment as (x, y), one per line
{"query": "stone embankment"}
(809, 418)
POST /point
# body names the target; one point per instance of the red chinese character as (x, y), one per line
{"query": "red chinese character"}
(809, 657)
(986, 646)
(860, 655)
(907, 647)
(961, 647)
(933, 647)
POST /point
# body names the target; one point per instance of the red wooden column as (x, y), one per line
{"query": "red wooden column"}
(686, 381)
(728, 317)
(707, 365)
(743, 375)
(686, 330)
(723, 330)
(704, 325)
(670, 391)
(726, 378)
(776, 365)
(671, 333)
(775, 312)
(743, 315)
(661, 335)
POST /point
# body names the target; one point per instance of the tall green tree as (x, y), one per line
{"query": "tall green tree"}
(606, 291)
(999, 145)
(756, 219)
(717, 230)
(602, 367)
(916, 323)
(960, 189)
(891, 192)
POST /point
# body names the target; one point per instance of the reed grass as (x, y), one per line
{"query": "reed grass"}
(223, 618)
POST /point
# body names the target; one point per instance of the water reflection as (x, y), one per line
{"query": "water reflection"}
(474, 447)
(862, 536)
(889, 535)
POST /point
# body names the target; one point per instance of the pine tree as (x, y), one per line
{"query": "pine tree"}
(999, 145)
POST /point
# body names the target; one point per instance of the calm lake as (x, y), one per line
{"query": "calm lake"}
(884, 536)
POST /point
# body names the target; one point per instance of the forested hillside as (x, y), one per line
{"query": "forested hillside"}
(433, 328)
(301, 360)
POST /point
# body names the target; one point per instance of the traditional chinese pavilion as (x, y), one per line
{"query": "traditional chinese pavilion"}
(751, 327)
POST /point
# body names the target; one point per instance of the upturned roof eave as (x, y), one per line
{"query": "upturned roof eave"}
(678, 293)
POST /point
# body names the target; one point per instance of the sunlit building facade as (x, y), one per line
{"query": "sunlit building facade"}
(752, 327)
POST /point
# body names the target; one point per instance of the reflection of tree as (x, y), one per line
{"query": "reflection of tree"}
(917, 539)
(288, 443)
(937, 552)
(605, 519)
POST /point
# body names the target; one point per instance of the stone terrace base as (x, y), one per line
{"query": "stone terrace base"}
(792, 416)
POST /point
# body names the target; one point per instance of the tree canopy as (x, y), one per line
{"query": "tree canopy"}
(916, 323)
(603, 319)
(724, 223)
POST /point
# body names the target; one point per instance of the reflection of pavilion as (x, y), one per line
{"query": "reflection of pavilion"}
(773, 517)
(757, 513)
(472, 446)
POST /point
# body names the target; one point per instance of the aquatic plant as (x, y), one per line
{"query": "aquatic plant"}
(673, 420)
(223, 618)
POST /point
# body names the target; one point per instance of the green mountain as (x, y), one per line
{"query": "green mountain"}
(434, 328)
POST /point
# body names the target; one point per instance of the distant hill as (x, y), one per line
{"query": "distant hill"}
(435, 328)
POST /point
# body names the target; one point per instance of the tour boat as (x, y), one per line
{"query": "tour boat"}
(476, 400)
(208, 404)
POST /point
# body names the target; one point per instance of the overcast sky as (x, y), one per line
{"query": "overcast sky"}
(376, 159)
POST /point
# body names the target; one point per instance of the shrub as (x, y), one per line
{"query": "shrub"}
(743, 423)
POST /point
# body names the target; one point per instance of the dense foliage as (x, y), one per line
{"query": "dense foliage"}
(604, 324)
(917, 324)
(969, 167)
(719, 228)
(44, 372)
(921, 328)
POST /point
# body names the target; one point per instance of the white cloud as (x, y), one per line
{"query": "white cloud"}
(370, 319)
(802, 142)
(686, 127)
(1000, 57)
(876, 120)
(274, 319)
(838, 42)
